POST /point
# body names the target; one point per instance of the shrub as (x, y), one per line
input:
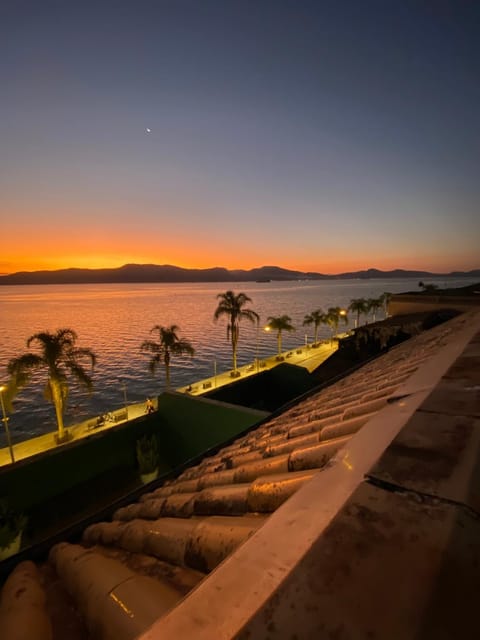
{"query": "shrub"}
(147, 454)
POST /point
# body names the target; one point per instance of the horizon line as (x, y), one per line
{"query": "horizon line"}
(268, 266)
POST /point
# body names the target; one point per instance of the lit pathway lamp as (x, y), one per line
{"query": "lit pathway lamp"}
(5, 423)
(267, 328)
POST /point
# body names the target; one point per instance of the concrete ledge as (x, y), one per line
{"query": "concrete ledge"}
(404, 303)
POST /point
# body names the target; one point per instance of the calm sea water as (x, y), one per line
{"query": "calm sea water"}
(114, 319)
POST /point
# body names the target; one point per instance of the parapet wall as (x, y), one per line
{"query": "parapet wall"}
(404, 303)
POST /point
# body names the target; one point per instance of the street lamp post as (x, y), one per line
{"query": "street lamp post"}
(5, 423)
(267, 328)
(256, 347)
(215, 371)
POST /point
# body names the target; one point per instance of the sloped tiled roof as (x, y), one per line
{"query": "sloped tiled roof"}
(129, 572)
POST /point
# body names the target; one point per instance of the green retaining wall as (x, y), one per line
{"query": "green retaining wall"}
(189, 426)
(185, 427)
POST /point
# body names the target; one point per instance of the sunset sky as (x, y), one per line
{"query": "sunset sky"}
(312, 135)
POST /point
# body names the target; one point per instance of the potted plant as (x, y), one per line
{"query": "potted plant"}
(12, 524)
(148, 458)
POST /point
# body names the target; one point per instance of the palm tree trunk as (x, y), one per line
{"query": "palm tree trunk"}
(316, 333)
(279, 343)
(234, 348)
(167, 370)
(58, 404)
(167, 376)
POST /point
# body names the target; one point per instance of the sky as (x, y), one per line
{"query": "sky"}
(325, 136)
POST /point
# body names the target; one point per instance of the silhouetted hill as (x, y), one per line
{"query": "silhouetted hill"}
(171, 273)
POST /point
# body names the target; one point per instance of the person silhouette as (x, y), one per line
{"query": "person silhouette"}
(149, 408)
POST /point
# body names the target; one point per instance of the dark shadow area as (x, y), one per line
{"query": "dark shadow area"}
(372, 340)
(469, 290)
(64, 486)
(268, 390)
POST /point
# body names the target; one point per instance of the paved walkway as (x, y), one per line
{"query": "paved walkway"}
(307, 357)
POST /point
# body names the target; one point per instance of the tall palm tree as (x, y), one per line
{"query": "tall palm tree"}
(168, 345)
(316, 318)
(233, 306)
(59, 357)
(374, 304)
(333, 318)
(279, 324)
(385, 298)
(358, 306)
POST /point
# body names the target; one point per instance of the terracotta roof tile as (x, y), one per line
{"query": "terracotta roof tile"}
(157, 549)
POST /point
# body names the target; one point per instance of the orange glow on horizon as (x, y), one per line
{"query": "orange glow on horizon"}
(195, 260)
(90, 242)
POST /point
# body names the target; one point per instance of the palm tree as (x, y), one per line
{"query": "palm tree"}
(385, 298)
(316, 318)
(169, 345)
(279, 324)
(233, 306)
(374, 304)
(358, 306)
(333, 318)
(59, 356)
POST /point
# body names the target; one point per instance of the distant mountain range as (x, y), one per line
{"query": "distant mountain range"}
(169, 273)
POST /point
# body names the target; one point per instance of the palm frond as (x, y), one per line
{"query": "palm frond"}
(153, 363)
(66, 337)
(83, 353)
(20, 370)
(44, 337)
(151, 347)
(181, 347)
(80, 374)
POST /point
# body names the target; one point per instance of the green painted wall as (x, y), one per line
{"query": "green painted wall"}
(185, 426)
(188, 426)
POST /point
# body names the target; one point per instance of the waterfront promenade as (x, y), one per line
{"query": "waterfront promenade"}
(307, 357)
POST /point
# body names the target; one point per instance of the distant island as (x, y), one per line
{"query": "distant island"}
(168, 273)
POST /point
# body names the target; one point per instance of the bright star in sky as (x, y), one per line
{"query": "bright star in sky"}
(148, 130)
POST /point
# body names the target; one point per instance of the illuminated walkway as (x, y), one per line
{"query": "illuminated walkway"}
(307, 357)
